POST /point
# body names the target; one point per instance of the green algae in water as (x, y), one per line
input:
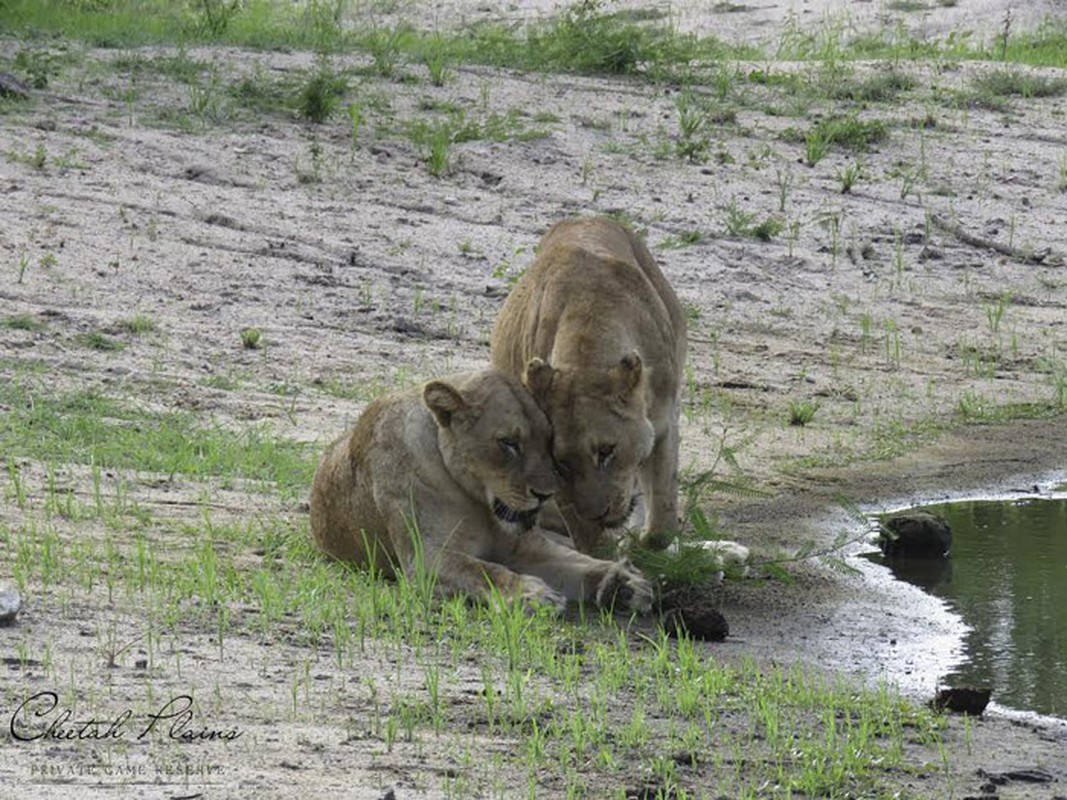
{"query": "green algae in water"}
(1007, 577)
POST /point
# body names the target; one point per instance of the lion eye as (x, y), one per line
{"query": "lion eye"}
(510, 445)
(604, 454)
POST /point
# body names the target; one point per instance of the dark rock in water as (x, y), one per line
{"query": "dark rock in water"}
(10, 603)
(692, 612)
(915, 534)
(962, 700)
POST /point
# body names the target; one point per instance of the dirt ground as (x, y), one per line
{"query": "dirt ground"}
(365, 272)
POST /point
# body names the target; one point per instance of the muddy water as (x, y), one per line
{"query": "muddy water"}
(1007, 579)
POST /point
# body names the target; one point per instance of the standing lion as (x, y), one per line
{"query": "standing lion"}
(595, 321)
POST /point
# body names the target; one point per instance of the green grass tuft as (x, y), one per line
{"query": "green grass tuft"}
(139, 325)
(878, 88)
(95, 340)
(22, 322)
(321, 94)
(251, 338)
(802, 412)
(1017, 83)
(87, 427)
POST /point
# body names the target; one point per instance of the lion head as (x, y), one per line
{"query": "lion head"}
(496, 442)
(601, 433)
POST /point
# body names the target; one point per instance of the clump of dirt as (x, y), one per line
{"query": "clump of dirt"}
(693, 611)
(962, 700)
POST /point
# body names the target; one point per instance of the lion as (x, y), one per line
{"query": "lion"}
(449, 478)
(595, 321)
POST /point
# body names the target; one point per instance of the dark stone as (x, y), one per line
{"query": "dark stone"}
(962, 700)
(915, 534)
(1032, 775)
(1035, 775)
(19, 663)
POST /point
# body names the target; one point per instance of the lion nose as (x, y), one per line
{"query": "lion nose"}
(541, 496)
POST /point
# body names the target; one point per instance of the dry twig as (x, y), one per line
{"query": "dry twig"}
(1019, 254)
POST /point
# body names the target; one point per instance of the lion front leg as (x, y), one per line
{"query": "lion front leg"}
(486, 581)
(429, 557)
(622, 585)
(659, 483)
(577, 575)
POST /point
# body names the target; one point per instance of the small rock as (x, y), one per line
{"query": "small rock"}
(1033, 775)
(10, 603)
(962, 700)
(915, 534)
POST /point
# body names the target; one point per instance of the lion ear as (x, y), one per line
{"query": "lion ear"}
(538, 378)
(444, 401)
(627, 374)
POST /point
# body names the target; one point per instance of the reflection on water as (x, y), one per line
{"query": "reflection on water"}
(1007, 578)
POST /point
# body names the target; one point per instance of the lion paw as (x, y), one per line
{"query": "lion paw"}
(535, 593)
(623, 586)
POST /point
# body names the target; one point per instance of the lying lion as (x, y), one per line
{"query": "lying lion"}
(595, 321)
(450, 478)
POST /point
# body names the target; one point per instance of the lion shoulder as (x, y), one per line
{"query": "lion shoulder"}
(593, 294)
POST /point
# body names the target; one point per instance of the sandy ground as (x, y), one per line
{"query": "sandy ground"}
(365, 272)
(762, 23)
